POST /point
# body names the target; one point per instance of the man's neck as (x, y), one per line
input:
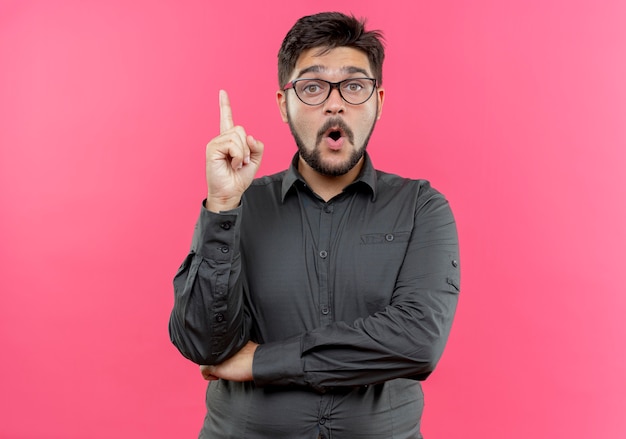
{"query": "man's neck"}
(326, 186)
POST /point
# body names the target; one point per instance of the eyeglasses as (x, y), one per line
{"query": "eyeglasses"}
(354, 91)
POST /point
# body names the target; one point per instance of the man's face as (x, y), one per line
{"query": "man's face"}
(332, 136)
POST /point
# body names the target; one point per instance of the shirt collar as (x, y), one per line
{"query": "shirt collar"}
(367, 177)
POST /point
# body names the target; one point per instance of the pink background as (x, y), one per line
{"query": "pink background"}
(516, 110)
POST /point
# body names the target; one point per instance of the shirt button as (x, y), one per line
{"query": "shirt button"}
(325, 310)
(226, 225)
(455, 263)
(219, 317)
(322, 421)
(389, 237)
(323, 254)
(328, 209)
(225, 249)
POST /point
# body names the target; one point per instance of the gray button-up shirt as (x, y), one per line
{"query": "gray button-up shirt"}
(351, 300)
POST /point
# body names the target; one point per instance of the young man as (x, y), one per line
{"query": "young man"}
(316, 299)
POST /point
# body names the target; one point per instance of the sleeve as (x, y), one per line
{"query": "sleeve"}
(209, 322)
(405, 340)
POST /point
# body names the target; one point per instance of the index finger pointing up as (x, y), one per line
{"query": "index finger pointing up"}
(226, 114)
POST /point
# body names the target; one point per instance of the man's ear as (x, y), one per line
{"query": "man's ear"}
(380, 95)
(281, 100)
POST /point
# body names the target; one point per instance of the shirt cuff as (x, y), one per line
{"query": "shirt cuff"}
(278, 363)
(216, 235)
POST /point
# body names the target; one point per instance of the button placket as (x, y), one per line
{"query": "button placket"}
(326, 219)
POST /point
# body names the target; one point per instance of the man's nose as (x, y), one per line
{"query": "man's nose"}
(335, 103)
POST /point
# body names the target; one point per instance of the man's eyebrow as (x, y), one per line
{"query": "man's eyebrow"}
(319, 69)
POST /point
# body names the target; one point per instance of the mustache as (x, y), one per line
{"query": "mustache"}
(337, 123)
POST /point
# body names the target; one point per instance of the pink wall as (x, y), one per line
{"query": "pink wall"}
(516, 110)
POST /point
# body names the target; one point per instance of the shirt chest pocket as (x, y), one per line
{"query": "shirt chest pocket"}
(378, 259)
(380, 255)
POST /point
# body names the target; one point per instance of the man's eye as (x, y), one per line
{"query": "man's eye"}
(311, 88)
(353, 87)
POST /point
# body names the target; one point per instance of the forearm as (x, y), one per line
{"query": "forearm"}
(393, 344)
(208, 322)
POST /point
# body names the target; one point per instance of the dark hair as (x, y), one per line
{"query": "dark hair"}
(328, 30)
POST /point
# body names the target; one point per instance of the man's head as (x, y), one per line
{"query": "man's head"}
(328, 30)
(330, 70)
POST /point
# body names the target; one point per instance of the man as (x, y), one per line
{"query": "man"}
(319, 297)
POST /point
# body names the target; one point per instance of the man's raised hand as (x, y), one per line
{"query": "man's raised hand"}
(232, 161)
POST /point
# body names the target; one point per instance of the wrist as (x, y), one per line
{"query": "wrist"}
(218, 205)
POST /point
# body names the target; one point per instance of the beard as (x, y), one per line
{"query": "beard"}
(313, 157)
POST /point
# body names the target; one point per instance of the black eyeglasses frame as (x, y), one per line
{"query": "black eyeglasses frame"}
(333, 85)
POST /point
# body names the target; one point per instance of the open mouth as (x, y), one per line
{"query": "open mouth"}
(335, 135)
(336, 132)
